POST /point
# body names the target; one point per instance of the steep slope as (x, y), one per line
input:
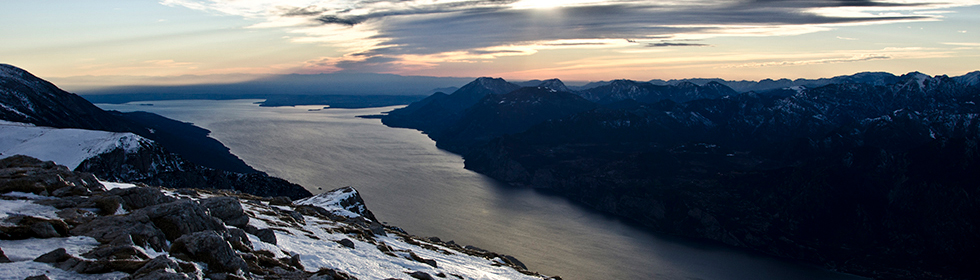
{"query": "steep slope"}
(33, 100)
(437, 112)
(69, 226)
(68, 147)
(514, 112)
(28, 99)
(877, 180)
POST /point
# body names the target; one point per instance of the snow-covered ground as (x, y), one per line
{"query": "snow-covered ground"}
(315, 239)
(65, 146)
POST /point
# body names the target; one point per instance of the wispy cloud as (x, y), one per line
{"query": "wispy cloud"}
(673, 44)
(856, 58)
(393, 31)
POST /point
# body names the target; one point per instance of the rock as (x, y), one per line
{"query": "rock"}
(330, 274)
(137, 226)
(159, 263)
(281, 200)
(55, 256)
(513, 261)
(421, 275)
(108, 205)
(417, 258)
(27, 227)
(228, 209)
(266, 235)
(238, 239)
(3, 257)
(27, 174)
(181, 217)
(123, 252)
(208, 247)
(38, 277)
(140, 197)
(76, 216)
(346, 243)
(296, 216)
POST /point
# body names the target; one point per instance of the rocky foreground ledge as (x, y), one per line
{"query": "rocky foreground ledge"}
(59, 224)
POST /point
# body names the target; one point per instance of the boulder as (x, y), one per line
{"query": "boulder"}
(346, 243)
(23, 227)
(228, 209)
(140, 197)
(163, 267)
(267, 235)
(137, 226)
(421, 275)
(181, 217)
(238, 239)
(281, 200)
(3, 257)
(31, 175)
(121, 252)
(208, 247)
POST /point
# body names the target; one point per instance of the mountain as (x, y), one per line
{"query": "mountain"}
(67, 225)
(500, 114)
(341, 90)
(26, 98)
(872, 175)
(620, 90)
(437, 111)
(29, 99)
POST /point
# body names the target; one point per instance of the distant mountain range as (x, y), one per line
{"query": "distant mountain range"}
(173, 154)
(339, 90)
(872, 174)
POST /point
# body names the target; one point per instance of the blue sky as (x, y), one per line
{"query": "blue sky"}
(190, 41)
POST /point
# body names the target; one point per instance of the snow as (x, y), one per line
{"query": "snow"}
(25, 208)
(65, 146)
(21, 270)
(114, 185)
(31, 248)
(331, 201)
(314, 241)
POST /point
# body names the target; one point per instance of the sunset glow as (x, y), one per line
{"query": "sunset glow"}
(527, 39)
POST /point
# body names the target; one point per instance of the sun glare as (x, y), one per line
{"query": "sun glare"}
(547, 4)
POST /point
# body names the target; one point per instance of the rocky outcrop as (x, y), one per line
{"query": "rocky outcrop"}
(141, 232)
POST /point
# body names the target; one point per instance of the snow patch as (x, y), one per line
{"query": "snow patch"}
(65, 146)
(332, 202)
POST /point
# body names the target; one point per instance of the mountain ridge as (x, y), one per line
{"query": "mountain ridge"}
(789, 173)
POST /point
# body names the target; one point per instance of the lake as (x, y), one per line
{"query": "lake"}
(408, 182)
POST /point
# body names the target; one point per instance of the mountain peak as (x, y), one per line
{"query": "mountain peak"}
(554, 84)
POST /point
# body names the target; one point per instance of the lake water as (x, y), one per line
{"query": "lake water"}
(408, 182)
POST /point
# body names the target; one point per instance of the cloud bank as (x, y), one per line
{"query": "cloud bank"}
(376, 34)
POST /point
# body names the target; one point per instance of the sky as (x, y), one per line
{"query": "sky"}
(197, 41)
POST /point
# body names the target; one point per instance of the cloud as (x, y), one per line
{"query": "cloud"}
(399, 29)
(856, 58)
(671, 44)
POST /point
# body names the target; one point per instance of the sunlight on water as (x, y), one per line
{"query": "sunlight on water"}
(407, 182)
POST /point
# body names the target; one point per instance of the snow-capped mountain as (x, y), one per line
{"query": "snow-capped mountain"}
(101, 230)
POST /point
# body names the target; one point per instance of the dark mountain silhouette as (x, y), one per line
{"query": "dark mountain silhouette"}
(873, 174)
